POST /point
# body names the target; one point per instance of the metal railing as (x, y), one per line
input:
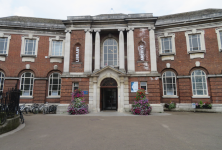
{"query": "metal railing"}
(9, 104)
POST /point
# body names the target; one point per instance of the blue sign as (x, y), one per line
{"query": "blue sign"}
(134, 86)
(85, 92)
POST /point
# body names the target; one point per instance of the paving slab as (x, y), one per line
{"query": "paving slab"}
(177, 131)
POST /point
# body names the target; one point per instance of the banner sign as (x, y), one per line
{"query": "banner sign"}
(134, 86)
(77, 54)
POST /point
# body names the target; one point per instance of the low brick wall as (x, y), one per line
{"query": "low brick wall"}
(10, 124)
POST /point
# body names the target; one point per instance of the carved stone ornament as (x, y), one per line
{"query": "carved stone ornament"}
(27, 66)
(168, 65)
(55, 67)
(197, 63)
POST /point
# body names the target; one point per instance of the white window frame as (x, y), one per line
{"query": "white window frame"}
(219, 39)
(107, 51)
(28, 96)
(59, 84)
(202, 42)
(3, 35)
(2, 79)
(30, 37)
(57, 38)
(205, 76)
(73, 86)
(167, 35)
(143, 85)
(169, 96)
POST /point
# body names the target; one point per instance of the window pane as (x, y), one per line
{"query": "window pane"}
(199, 92)
(56, 75)
(143, 83)
(30, 47)
(56, 48)
(105, 49)
(143, 87)
(3, 45)
(55, 81)
(27, 81)
(198, 79)
(169, 80)
(221, 37)
(27, 74)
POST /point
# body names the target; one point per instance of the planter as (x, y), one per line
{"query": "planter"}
(203, 107)
(139, 111)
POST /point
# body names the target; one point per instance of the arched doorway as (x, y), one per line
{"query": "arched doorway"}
(108, 97)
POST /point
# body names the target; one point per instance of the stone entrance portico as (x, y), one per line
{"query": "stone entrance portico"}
(122, 88)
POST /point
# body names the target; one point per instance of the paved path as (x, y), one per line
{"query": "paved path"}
(177, 131)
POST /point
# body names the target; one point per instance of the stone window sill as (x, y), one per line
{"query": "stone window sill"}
(142, 61)
(76, 62)
(170, 96)
(53, 97)
(56, 56)
(166, 54)
(23, 55)
(26, 97)
(199, 51)
(200, 96)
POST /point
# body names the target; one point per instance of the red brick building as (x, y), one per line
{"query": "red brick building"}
(174, 58)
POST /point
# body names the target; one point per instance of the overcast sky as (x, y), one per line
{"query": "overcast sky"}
(60, 9)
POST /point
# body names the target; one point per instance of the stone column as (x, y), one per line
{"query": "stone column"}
(88, 52)
(121, 50)
(97, 50)
(122, 94)
(130, 51)
(153, 50)
(67, 52)
(94, 94)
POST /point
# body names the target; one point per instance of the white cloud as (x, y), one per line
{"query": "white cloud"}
(64, 8)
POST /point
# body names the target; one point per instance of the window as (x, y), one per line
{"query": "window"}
(2, 76)
(169, 83)
(195, 43)
(30, 47)
(166, 45)
(57, 48)
(167, 48)
(75, 86)
(110, 53)
(54, 84)
(219, 38)
(194, 40)
(26, 84)
(3, 45)
(143, 85)
(199, 83)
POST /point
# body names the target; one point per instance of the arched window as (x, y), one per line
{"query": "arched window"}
(54, 84)
(2, 78)
(110, 53)
(169, 83)
(26, 84)
(199, 83)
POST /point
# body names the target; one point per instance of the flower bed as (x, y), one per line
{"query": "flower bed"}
(205, 105)
(77, 106)
(141, 105)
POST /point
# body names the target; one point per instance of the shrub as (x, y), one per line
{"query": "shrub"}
(205, 105)
(170, 105)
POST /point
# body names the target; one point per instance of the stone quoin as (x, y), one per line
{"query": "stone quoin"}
(110, 56)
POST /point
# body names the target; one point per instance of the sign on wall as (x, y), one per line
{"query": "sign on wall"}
(77, 54)
(85, 92)
(134, 86)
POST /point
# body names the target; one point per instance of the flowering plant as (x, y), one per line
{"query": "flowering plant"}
(205, 105)
(140, 94)
(77, 106)
(170, 105)
(141, 105)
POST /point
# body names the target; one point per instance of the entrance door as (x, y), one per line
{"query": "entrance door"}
(109, 99)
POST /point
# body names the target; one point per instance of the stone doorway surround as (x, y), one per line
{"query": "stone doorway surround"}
(122, 88)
